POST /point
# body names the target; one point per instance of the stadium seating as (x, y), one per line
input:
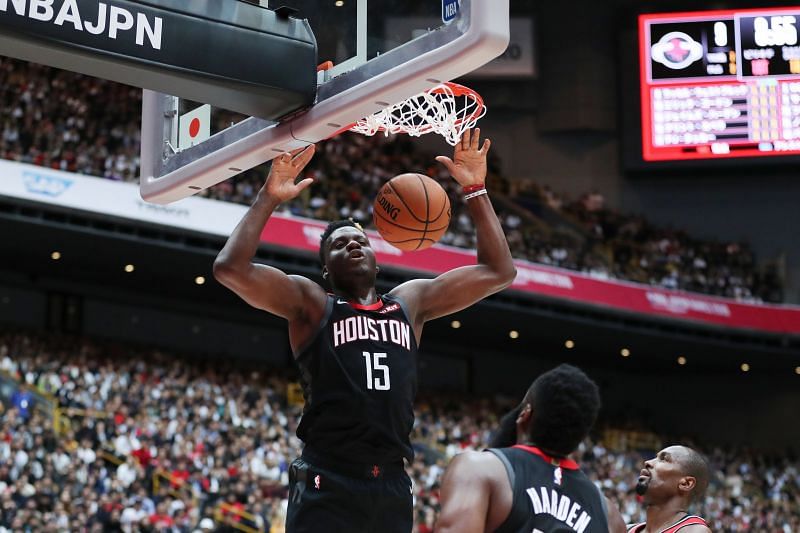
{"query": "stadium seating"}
(107, 436)
(75, 123)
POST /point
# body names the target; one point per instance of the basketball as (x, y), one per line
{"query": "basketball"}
(411, 212)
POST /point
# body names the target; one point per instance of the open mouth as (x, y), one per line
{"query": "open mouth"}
(644, 473)
(356, 254)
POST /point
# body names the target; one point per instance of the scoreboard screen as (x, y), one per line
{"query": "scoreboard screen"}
(720, 84)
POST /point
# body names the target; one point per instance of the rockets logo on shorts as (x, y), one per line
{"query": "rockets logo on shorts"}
(317, 480)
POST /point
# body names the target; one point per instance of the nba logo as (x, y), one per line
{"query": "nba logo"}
(557, 476)
(316, 481)
(450, 10)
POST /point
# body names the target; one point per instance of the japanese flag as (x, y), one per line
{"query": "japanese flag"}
(194, 127)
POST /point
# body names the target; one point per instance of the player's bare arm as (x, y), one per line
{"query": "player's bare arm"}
(294, 298)
(470, 483)
(615, 522)
(461, 287)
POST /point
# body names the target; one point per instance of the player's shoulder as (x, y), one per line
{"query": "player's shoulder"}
(310, 288)
(410, 289)
(306, 282)
(692, 524)
(314, 298)
(483, 464)
(694, 528)
(410, 293)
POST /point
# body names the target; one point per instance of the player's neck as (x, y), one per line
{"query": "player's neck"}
(524, 441)
(661, 516)
(362, 296)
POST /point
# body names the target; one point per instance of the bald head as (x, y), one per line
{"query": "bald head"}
(695, 465)
(675, 471)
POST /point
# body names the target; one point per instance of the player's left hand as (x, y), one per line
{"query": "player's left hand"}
(285, 168)
(468, 165)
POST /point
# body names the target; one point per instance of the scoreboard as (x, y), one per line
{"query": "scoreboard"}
(720, 84)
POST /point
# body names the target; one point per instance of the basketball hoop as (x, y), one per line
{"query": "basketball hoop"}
(447, 109)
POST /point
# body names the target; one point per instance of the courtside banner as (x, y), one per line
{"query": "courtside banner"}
(114, 198)
(559, 283)
(122, 200)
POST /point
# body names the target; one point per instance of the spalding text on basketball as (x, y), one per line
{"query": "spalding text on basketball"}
(387, 206)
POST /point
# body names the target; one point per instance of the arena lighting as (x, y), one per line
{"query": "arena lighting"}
(199, 280)
(55, 256)
(625, 352)
(129, 268)
(513, 334)
(745, 367)
(797, 370)
(681, 360)
(339, 3)
(455, 324)
(570, 344)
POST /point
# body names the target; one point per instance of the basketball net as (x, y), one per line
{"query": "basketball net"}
(447, 109)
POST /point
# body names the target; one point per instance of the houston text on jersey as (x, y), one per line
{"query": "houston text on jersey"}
(356, 328)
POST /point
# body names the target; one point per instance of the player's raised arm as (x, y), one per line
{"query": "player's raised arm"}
(461, 287)
(262, 286)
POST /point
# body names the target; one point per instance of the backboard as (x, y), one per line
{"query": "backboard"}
(381, 51)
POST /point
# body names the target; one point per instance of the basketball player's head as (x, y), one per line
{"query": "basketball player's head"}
(346, 254)
(559, 410)
(675, 472)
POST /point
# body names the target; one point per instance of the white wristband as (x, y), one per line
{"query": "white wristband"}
(475, 194)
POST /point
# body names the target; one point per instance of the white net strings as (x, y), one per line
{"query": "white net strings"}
(438, 110)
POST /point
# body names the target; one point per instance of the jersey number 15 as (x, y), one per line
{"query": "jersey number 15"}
(376, 368)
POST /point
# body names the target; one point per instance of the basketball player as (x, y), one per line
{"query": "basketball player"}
(533, 486)
(356, 349)
(669, 483)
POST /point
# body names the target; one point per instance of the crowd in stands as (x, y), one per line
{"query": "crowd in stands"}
(66, 121)
(204, 435)
(71, 122)
(638, 250)
(151, 441)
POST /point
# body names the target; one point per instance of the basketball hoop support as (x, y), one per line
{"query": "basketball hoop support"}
(479, 34)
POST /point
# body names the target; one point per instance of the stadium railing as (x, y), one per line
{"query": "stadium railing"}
(236, 518)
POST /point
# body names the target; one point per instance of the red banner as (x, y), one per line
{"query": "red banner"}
(304, 234)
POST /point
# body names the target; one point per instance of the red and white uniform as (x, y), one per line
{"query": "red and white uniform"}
(689, 520)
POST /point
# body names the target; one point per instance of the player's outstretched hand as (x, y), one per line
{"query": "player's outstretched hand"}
(285, 169)
(468, 165)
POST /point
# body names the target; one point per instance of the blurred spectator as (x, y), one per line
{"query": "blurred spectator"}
(22, 400)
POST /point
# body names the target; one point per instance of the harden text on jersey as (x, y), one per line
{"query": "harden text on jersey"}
(560, 507)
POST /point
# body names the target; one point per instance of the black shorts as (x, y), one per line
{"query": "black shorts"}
(368, 499)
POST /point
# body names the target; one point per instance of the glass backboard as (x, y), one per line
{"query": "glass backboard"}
(380, 52)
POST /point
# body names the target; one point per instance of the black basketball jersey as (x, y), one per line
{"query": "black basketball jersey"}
(550, 495)
(359, 376)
